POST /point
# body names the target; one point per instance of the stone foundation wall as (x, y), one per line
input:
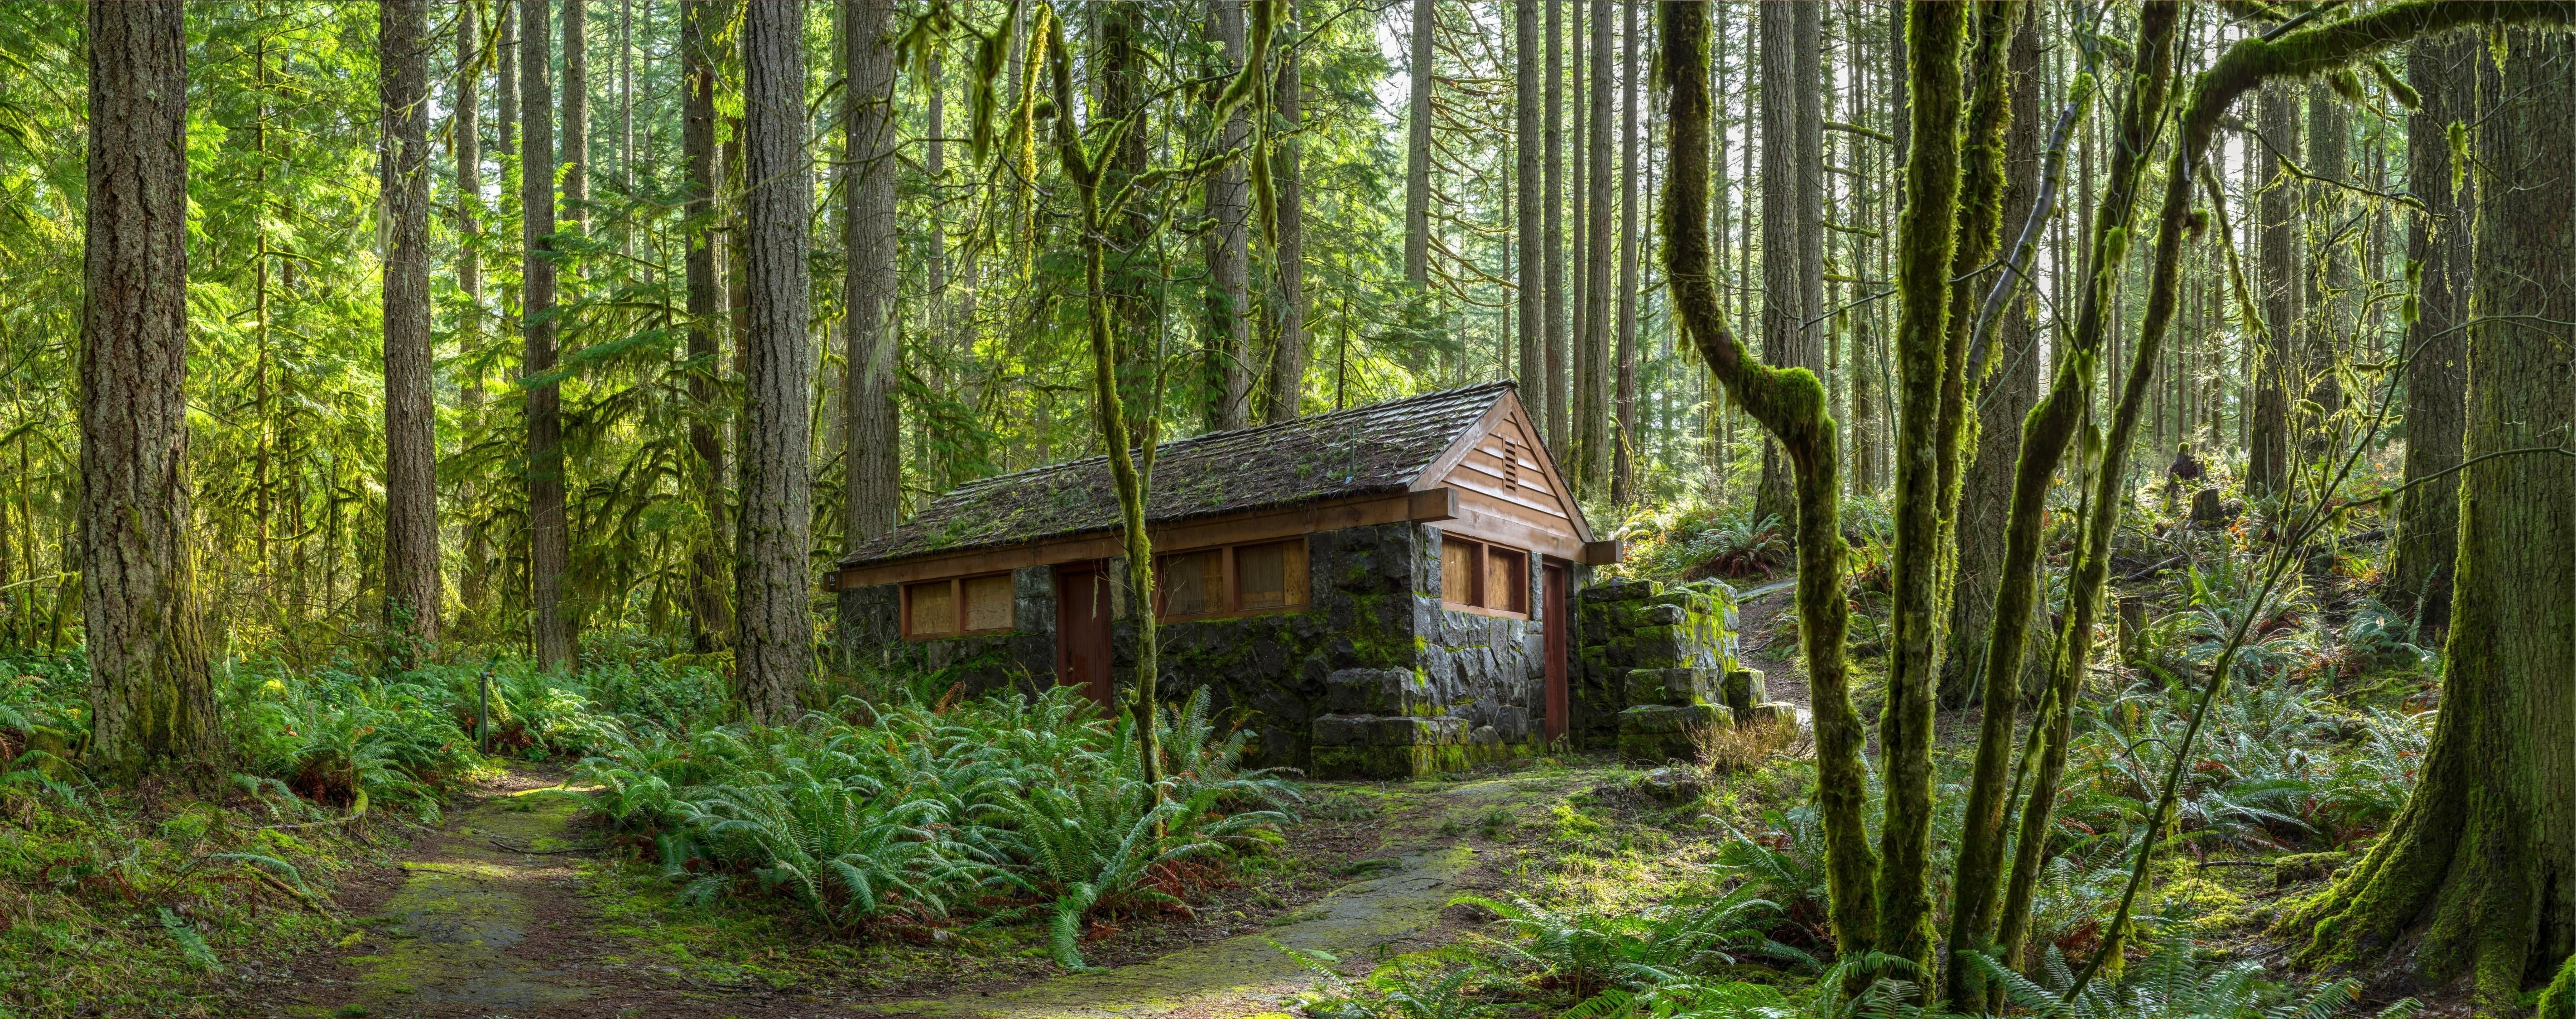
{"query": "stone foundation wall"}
(1474, 692)
(1658, 667)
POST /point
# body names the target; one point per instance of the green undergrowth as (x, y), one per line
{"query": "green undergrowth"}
(927, 821)
(124, 902)
(151, 900)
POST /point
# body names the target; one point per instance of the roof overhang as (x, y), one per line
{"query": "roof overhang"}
(1178, 536)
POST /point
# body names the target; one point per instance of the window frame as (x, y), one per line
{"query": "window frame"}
(1478, 569)
(957, 606)
(1230, 583)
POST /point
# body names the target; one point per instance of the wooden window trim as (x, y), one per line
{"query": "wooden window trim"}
(1476, 580)
(1230, 584)
(957, 605)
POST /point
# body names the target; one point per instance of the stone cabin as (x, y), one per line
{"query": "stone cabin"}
(1382, 590)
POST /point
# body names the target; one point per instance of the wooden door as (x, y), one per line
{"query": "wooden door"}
(1558, 623)
(1082, 630)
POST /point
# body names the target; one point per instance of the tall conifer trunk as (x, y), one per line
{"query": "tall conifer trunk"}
(1552, 224)
(152, 707)
(2443, 72)
(2477, 876)
(465, 152)
(1287, 381)
(411, 421)
(872, 470)
(575, 162)
(1623, 466)
(1597, 453)
(1528, 145)
(710, 604)
(2282, 368)
(1228, 303)
(1417, 148)
(774, 644)
(549, 543)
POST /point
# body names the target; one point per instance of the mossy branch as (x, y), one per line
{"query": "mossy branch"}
(1791, 405)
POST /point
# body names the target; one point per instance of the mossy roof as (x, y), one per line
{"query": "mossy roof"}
(1378, 449)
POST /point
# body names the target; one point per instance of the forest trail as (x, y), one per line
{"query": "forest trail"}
(473, 927)
(1248, 975)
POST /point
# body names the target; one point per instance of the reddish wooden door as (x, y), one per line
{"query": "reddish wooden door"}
(1558, 624)
(1082, 630)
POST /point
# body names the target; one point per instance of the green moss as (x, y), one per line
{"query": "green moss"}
(2558, 1001)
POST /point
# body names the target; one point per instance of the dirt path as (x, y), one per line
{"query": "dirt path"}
(486, 918)
(1396, 909)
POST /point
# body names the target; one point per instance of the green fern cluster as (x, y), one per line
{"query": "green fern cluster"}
(1004, 808)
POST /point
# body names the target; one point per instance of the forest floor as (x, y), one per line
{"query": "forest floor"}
(505, 911)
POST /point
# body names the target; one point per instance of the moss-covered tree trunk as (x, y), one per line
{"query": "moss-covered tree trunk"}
(1790, 403)
(2477, 877)
(2046, 433)
(152, 707)
(1931, 362)
(1089, 174)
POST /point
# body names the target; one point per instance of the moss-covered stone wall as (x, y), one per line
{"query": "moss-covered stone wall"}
(1656, 663)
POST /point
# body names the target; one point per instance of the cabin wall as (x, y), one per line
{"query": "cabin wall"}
(871, 639)
(1373, 678)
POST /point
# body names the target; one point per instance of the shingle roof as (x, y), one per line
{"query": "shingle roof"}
(1380, 448)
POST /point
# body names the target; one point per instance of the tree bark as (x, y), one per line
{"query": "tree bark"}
(1785, 224)
(1623, 466)
(626, 114)
(1417, 149)
(549, 543)
(774, 643)
(152, 708)
(710, 607)
(1552, 224)
(1529, 145)
(1597, 451)
(1117, 69)
(465, 153)
(2330, 311)
(411, 422)
(2281, 371)
(574, 164)
(2477, 877)
(1228, 349)
(1287, 379)
(2443, 71)
(1985, 496)
(873, 467)
(1930, 360)
(506, 79)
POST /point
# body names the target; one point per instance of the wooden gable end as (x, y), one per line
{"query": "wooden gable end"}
(1509, 490)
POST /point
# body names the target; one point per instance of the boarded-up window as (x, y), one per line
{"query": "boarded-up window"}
(1506, 580)
(933, 608)
(988, 602)
(1193, 583)
(1458, 566)
(1271, 576)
